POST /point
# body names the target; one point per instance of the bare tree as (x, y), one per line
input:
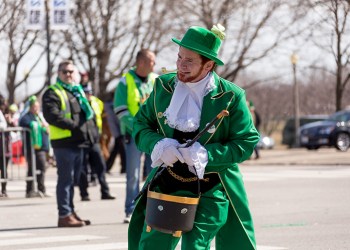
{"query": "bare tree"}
(19, 41)
(255, 29)
(4, 19)
(108, 34)
(333, 26)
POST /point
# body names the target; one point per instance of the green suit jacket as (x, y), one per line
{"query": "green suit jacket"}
(231, 142)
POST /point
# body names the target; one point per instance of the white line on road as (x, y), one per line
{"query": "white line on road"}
(106, 246)
(120, 246)
(23, 241)
(12, 234)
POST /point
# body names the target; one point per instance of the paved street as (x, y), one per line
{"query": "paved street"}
(298, 202)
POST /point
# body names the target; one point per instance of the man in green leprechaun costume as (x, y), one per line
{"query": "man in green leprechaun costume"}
(180, 106)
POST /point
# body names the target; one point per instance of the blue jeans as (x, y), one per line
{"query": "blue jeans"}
(69, 165)
(133, 161)
(147, 168)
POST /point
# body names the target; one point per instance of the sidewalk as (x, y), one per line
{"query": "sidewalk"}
(300, 156)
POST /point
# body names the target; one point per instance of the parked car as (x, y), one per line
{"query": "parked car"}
(332, 132)
(288, 133)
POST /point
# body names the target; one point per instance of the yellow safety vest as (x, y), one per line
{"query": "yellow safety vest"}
(134, 97)
(97, 106)
(57, 133)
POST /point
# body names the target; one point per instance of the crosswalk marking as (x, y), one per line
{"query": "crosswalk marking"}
(22, 240)
(106, 246)
(35, 240)
(12, 234)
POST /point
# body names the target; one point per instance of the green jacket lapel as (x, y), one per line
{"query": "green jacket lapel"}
(213, 98)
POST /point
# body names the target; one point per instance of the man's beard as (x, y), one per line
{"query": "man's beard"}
(183, 78)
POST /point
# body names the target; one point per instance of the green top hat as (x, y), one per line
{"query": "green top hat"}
(205, 42)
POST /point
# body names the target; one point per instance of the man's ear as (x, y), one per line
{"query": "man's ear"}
(209, 65)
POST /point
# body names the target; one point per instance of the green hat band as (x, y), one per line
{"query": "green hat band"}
(202, 41)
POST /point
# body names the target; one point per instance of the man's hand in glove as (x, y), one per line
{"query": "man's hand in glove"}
(195, 156)
(171, 155)
(165, 151)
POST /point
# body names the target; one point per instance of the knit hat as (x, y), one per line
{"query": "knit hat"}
(32, 99)
(13, 107)
(203, 41)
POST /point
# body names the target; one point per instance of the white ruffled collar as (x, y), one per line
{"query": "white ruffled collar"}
(185, 107)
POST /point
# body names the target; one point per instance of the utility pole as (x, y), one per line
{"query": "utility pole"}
(294, 60)
(48, 39)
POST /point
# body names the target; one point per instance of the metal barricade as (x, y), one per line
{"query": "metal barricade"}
(14, 153)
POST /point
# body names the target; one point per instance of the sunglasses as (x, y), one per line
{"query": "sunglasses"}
(65, 72)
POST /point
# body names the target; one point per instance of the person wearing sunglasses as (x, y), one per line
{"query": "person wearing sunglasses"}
(71, 121)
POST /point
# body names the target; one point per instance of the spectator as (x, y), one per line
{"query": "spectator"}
(118, 144)
(4, 147)
(14, 114)
(132, 91)
(90, 173)
(72, 129)
(180, 106)
(257, 121)
(93, 155)
(39, 138)
(106, 136)
(84, 79)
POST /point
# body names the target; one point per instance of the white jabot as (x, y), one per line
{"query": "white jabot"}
(184, 111)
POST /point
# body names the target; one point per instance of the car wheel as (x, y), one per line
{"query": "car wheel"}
(342, 142)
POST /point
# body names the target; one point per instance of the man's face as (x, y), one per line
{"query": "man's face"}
(66, 73)
(190, 67)
(84, 78)
(149, 62)
(35, 108)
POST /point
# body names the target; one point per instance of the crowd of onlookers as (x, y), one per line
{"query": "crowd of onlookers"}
(26, 120)
(83, 135)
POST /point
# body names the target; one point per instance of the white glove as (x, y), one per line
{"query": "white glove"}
(165, 151)
(196, 157)
(171, 155)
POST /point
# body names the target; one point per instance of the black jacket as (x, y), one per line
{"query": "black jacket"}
(84, 131)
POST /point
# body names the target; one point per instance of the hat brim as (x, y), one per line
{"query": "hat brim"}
(211, 57)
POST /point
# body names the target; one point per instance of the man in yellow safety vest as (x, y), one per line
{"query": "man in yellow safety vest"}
(70, 117)
(132, 91)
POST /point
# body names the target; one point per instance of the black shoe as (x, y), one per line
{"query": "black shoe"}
(85, 198)
(107, 197)
(32, 194)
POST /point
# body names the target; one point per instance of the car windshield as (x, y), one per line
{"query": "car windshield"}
(340, 116)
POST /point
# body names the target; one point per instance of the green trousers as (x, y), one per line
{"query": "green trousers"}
(211, 215)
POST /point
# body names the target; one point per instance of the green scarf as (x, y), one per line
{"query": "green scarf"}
(35, 134)
(77, 91)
